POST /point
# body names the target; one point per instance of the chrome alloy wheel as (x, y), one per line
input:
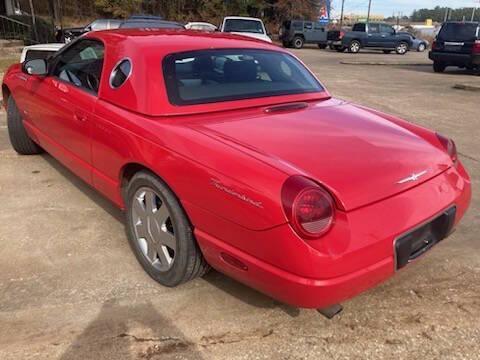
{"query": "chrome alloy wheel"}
(402, 48)
(153, 228)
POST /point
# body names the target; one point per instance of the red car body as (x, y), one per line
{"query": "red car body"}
(227, 163)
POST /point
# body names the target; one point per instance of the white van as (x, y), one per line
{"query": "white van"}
(247, 26)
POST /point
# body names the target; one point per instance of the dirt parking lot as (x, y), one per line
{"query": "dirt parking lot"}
(71, 288)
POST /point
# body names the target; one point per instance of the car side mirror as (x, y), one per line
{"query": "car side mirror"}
(88, 28)
(36, 67)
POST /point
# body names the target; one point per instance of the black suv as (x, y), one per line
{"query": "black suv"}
(457, 44)
(296, 33)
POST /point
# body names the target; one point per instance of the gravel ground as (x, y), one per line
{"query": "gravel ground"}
(71, 288)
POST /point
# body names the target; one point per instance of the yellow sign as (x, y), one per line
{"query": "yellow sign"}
(429, 22)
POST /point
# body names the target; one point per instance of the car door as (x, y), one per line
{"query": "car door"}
(65, 102)
(374, 36)
(320, 35)
(388, 37)
(308, 31)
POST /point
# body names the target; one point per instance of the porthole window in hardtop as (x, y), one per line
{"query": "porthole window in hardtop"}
(120, 73)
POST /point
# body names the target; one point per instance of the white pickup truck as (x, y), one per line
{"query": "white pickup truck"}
(246, 26)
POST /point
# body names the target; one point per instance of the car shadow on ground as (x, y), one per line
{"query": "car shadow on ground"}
(130, 332)
(247, 294)
(220, 281)
(428, 68)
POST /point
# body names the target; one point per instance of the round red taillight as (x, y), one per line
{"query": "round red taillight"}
(308, 207)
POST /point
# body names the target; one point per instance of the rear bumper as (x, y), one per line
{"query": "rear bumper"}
(454, 59)
(342, 264)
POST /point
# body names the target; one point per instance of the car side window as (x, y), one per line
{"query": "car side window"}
(81, 64)
(359, 27)
(297, 25)
(373, 28)
(308, 26)
(386, 29)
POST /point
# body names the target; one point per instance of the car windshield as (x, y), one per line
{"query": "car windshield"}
(241, 25)
(208, 76)
(458, 32)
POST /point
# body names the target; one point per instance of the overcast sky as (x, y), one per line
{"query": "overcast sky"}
(387, 7)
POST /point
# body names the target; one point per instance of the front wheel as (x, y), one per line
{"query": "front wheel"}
(439, 67)
(354, 47)
(422, 47)
(19, 138)
(402, 48)
(160, 233)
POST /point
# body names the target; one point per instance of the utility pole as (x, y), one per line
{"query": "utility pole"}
(369, 8)
(341, 14)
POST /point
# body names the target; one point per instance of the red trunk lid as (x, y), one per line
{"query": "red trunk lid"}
(359, 156)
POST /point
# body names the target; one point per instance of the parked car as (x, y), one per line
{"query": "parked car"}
(229, 152)
(457, 44)
(68, 34)
(150, 23)
(202, 26)
(378, 36)
(246, 26)
(297, 33)
(418, 44)
(39, 51)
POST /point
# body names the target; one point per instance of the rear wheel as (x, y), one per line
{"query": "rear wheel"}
(19, 138)
(422, 47)
(439, 67)
(159, 232)
(298, 42)
(354, 47)
(402, 48)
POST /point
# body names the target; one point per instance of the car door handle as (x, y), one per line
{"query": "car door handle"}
(78, 116)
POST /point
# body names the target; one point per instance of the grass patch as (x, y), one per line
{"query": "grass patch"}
(5, 63)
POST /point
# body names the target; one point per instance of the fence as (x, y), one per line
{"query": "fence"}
(12, 29)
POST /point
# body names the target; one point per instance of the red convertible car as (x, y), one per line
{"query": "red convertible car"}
(228, 152)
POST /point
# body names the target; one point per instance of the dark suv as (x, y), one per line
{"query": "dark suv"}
(379, 36)
(457, 44)
(296, 33)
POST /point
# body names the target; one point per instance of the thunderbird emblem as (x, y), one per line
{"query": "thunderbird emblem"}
(413, 177)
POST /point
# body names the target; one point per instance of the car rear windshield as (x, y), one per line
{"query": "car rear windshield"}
(208, 76)
(240, 25)
(458, 32)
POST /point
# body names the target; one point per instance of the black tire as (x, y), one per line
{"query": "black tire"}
(189, 262)
(401, 48)
(354, 47)
(298, 42)
(19, 138)
(322, 46)
(387, 51)
(439, 67)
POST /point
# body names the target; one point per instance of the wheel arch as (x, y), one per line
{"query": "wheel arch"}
(5, 94)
